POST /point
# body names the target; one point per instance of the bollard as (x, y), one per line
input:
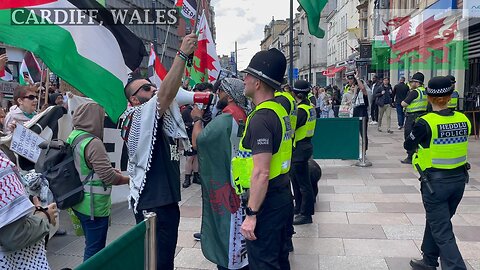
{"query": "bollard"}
(363, 162)
(150, 240)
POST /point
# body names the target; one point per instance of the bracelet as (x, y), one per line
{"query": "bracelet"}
(182, 55)
(196, 119)
(43, 210)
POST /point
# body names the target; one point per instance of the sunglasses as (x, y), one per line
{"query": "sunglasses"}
(146, 87)
(31, 97)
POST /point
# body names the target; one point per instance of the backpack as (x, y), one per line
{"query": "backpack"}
(56, 163)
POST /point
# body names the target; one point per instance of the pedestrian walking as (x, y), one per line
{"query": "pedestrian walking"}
(441, 138)
(400, 92)
(383, 99)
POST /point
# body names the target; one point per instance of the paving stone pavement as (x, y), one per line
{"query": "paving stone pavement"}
(366, 218)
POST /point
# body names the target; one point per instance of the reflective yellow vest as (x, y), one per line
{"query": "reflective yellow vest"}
(96, 192)
(308, 129)
(242, 164)
(292, 124)
(449, 144)
(346, 88)
(420, 103)
(452, 104)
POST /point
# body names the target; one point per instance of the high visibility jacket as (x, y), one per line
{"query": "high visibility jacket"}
(308, 129)
(420, 103)
(346, 88)
(97, 200)
(452, 104)
(242, 164)
(449, 143)
(292, 124)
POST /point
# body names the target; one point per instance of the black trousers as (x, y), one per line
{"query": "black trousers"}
(408, 126)
(438, 239)
(302, 188)
(270, 251)
(168, 219)
(374, 110)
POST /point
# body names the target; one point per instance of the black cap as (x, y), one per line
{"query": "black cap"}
(451, 78)
(439, 87)
(269, 67)
(418, 77)
(301, 86)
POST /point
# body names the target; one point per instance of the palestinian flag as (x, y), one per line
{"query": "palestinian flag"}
(95, 59)
(206, 65)
(156, 71)
(29, 70)
(188, 10)
(313, 9)
(6, 74)
(222, 214)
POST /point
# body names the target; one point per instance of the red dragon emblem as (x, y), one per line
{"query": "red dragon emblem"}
(223, 197)
(431, 34)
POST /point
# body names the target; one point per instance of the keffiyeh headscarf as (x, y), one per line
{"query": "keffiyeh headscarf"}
(14, 202)
(235, 89)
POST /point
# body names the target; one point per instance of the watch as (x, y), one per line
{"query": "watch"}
(250, 212)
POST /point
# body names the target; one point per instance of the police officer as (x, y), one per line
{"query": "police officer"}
(415, 104)
(441, 138)
(299, 173)
(285, 98)
(263, 163)
(453, 104)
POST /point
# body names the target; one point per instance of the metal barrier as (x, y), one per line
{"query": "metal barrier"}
(363, 162)
(136, 249)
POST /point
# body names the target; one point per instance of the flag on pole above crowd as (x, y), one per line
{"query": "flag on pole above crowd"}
(206, 65)
(313, 9)
(188, 10)
(29, 69)
(6, 74)
(95, 59)
(156, 70)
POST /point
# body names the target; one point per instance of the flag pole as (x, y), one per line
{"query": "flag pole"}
(165, 44)
(47, 85)
(41, 81)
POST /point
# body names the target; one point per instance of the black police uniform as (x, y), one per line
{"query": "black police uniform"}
(448, 186)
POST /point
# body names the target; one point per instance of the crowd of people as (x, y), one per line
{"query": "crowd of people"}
(267, 128)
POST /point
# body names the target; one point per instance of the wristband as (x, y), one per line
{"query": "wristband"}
(196, 119)
(43, 210)
(182, 55)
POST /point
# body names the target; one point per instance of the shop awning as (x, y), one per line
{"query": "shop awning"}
(330, 72)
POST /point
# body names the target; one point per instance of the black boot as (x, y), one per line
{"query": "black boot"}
(187, 182)
(301, 219)
(421, 265)
(196, 178)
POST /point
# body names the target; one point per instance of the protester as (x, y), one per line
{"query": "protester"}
(24, 227)
(303, 150)
(55, 99)
(383, 99)
(263, 164)
(26, 100)
(153, 128)
(415, 105)
(336, 100)
(400, 92)
(217, 143)
(346, 107)
(95, 169)
(441, 138)
(191, 162)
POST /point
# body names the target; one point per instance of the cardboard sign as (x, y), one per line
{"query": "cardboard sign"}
(25, 143)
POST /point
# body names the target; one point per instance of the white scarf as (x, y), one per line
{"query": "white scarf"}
(141, 140)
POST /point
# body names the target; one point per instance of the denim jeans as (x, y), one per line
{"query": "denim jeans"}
(400, 115)
(95, 233)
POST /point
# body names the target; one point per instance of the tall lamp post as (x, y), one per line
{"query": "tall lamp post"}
(310, 62)
(290, 73)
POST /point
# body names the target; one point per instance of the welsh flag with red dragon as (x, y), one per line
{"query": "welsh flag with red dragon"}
(429, 40)
(206, 65)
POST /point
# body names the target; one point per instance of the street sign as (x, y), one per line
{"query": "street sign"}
(295, 73)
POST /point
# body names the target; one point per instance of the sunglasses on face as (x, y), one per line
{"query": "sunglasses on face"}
(146, 87)
(31, 97)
